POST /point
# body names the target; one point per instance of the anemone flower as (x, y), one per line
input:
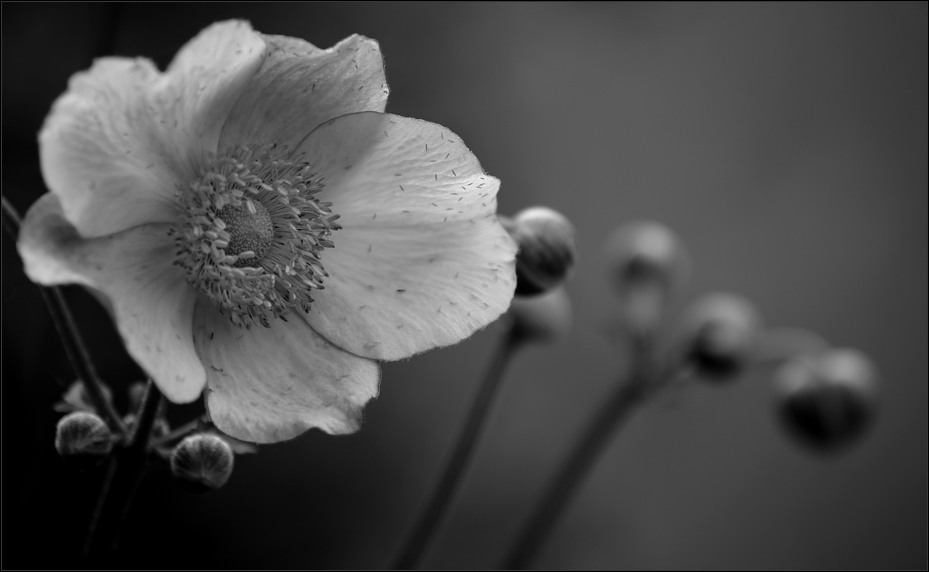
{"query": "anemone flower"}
(261, 230)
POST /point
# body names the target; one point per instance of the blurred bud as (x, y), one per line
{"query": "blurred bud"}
(160, 426)
(829, 399)
(76, 398)
(721, 330)
(646, 263)
(202, 462)
(136, 394)
(546, 249)
(83, 439)
(541, 319)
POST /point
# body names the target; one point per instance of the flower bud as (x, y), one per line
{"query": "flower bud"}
(827, 400)
(202, 462)
(646, 263)
(721, 331)
(136, 393)
(546, 249)
(83, 439)
(542, 319)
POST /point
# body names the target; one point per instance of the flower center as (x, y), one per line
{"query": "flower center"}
(248, 231)
(252, 232)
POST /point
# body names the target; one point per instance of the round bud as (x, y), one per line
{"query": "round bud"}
(645, 252)
(546, 249)
(545, 318)
(827, 400)
(83, 439)
(202, 462)
(646, 263)
(721, 330)
(136, 393)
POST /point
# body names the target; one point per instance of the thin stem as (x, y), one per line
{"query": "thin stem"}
(180, 432)
(124, 475)
(588, 449)
(456, 467)
(70, 336)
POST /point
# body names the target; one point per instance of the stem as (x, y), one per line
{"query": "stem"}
(123, 476)
(588, 449)
(180, 432)
(457, 465)
(70, 336)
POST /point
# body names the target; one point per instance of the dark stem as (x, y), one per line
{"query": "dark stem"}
(123, 477)
(70, 336)
(587, 450)
(181, 431)
(457, 465)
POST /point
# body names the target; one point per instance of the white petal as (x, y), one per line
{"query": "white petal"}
(421, 261)
(151, 302)
(272, 384)
(100, 154)
(118, 144)
(205, 80)
(300, 86)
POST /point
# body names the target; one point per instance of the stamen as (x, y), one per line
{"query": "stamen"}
(253, 232)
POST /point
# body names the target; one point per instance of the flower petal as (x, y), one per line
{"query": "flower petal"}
(151, 302)
(272, 384)
(122, 138)
(421, 261)
(205, 80)
(300, 86)
(98, 153)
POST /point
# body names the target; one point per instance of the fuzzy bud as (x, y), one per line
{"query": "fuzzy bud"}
(202, 462)
(83, 439)
(541, 319)
(646, 264)
(721, 332)
(827, 400)
(546, 249)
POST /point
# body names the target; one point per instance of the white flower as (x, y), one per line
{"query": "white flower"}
(259, 227)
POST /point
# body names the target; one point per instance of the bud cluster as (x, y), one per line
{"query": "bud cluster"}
(826, 397)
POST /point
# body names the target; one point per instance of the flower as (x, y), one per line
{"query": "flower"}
(259, 227)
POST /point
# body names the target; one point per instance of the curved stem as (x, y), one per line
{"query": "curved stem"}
(184, 430)
(70, 336)
(589, 446)
(123, 476)
(457, 466)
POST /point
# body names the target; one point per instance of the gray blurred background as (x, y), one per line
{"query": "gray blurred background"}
(785, 143)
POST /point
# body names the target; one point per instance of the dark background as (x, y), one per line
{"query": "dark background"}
(786, 144)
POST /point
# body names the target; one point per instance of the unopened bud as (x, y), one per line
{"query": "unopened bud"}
(646, 263)
(136, 393)
(546, 249)
(827, 400)
(645, 251)
(541, 319)
(721, 331)
(202, 462)
(83, 439)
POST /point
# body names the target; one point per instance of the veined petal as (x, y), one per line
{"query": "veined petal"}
(100, 155)
(204, 81)
(300, 86)
(151, 302)
(272, 384)
(421, 261)
(118, 143)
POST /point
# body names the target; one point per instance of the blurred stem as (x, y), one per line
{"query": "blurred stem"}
(631, 392)
(123, 476)
(181, 431)
(70, 336)
(457, 466)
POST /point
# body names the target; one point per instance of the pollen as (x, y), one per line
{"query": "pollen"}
(248, 231)
(252, 234)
